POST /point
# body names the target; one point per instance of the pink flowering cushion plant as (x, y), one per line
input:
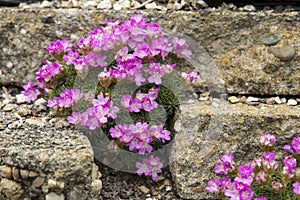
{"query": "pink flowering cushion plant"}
(79, 83)
(265, 178)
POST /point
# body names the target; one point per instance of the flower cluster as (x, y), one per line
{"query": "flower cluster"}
(96, 115)
(239, 184)
(134, 50)
(59, 48)
(150, 167)
(47, 72)
(239, 188)
(30, 91)
(141, 101)
(190, 76)
(226, 164)
(267, 141)
(295, 147)
(65, 99)
(139, 136)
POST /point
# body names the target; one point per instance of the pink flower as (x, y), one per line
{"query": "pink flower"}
(261, 177)
(190, 76)
(48, 71)
(70, 57)
(162, 45)
(53, 103)
(180, 48)
(296, 189)
(156, 72)
(261, 198)
(100, 101)
(30, 92)
(214, 186)
(143, 168)
(277, 186)
(245, 171)
(296, 145)
(142, 50)
(95, 59)
(267, 140)
(226, 165)
(59, 47)
(74, 118)
(290, 162)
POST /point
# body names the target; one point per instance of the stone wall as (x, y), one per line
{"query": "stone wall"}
(233, 39)
(42, 157)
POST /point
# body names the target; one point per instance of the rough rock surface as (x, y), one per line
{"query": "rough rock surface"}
(40, 157)
(212, 132)
(233, 39)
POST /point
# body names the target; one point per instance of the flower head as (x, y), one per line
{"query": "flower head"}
(226, 164)
(30, 91)
(150, 167)
(267, 141)
(296, 189)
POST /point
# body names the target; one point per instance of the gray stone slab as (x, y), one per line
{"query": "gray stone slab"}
(205, 133)
(37, 145)
(233, 39)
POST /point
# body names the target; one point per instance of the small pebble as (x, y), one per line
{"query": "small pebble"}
(252, 99)
(52, 183)
(16, 173)
(75, 4)
(249, 8)
(233, 99)
(9, 64)
(271, 40)
(270, 101)
(34, 121)
(283, 100)
(243, 99)
(167, 182)
(89, 5)
(23, 112)
(54, 196)
(151, 6)
(38, 182)
(5, 172)
(21, 98)
(284, 53)
(32, 174)
(291, 102)
(117, 6)
(41, 103)
(202, 4)
(125, 4)
(66, 4)
(96, 187)
(277, 100)
(61, 124)
(168, 188)
(23, 31)
(105, 4)
(24, 173)
(9, 107)
(46, 4)
(144, 189)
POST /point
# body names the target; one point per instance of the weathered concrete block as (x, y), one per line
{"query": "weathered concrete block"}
(42, 156)
(233, 39)
(205, 133)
